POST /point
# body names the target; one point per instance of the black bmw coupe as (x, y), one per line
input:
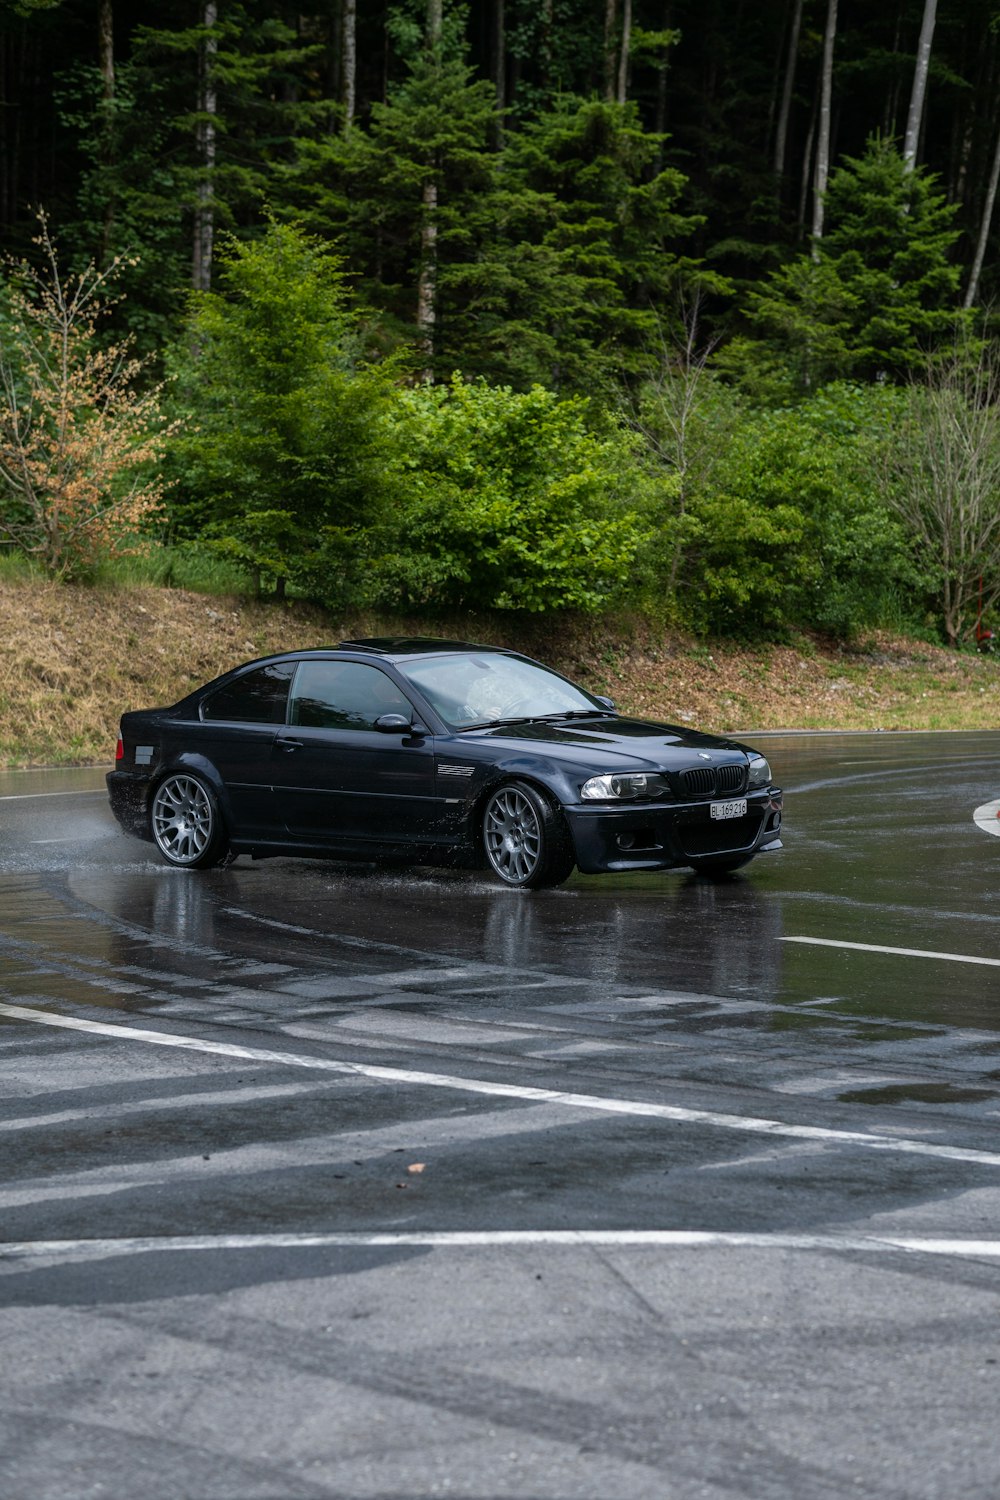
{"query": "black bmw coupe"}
(434, 752)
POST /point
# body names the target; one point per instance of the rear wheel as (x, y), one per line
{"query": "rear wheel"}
(526, 842)
(186, 824)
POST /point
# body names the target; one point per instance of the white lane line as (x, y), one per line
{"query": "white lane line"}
(675, 1113)
(955, 958)
(987, 817)
(31, 796)
(668, 1239)
(224, 1097)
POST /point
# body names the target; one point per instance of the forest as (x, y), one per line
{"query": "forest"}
(517, 305)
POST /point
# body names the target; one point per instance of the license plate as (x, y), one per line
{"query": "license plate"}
(729, 809)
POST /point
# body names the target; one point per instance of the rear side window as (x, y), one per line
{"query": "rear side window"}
(343, 695)
(258, 697)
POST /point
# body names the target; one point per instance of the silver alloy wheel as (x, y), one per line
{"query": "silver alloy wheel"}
(183, 820)
(513, 835)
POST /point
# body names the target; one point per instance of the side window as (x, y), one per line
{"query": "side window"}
(343, 695)
(256, 698)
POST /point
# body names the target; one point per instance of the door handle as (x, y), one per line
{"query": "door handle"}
(288, 745)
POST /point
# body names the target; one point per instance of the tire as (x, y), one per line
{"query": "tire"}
(717, 867)
(186, 824)
(525, 840)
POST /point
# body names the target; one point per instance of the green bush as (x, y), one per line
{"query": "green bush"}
(791, 531)
(506, 500)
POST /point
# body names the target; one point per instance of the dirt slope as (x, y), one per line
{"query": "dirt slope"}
(76, 658)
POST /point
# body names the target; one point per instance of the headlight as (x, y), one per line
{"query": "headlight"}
(617, 786)
(760, 771)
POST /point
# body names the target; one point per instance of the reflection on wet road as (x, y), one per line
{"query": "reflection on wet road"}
(298, 1055)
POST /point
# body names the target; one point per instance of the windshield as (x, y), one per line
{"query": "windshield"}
(486, 688)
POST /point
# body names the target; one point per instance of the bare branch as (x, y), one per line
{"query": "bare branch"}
(942, 476)
(79, 442)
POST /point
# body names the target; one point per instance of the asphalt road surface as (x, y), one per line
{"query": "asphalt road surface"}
(323, 1183)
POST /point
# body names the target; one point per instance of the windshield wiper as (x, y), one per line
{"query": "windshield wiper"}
(550, 718)
(497, 723)
(582, 713)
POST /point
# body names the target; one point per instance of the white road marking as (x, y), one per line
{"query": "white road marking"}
(987, 817)
(666, 1239)
(675, 1113)
(955, 958)
(227, 1097)
(497, 1126)
(30, 796)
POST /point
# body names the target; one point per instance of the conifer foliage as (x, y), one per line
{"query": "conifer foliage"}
(372, 246)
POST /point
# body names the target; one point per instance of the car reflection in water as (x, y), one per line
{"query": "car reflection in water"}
(665, 935)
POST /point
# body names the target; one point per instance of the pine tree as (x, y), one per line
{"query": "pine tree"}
(282, 455)
(589, 245)
(881, 290)
(409, 196)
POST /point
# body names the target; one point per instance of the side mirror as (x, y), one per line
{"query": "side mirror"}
(393, 724)
(605, 702)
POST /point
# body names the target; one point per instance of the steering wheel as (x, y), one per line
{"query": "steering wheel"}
(514, 703)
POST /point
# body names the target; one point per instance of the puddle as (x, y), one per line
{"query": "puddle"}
(918, 1093)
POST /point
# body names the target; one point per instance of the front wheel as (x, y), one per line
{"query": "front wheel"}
(525, 839)
(186, 824)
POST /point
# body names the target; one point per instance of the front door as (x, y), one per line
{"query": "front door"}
(338, 780)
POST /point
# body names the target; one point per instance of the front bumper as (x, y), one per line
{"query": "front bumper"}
(665, 835)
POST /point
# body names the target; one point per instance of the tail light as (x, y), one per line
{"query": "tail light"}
(119, 750)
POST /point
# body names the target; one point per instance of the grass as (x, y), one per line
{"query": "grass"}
(78, 657)
(186, 566)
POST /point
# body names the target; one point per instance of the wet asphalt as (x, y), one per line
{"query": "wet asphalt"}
(343, 1184)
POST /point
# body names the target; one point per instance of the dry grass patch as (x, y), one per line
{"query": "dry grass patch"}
(77, 658)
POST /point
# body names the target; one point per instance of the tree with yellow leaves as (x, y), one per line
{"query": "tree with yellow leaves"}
(80, 439)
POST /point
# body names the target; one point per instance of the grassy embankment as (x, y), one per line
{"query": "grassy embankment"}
(76, 658)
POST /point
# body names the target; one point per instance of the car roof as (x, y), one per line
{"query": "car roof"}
(400, 646)
(389, 648)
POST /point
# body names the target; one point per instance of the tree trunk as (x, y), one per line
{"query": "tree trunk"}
(204, 216)
(349, 64)
(972, 291)
(106, 49)
(610, 47)
(823, 137)
(545, 51)
(891, 98)
(106, 62)
(807, 162)
(4, 147)
(500, 56)
(427, 285)
(427, 280)
(626, 47)
(334, 67)
(916, 113)
(781, 134)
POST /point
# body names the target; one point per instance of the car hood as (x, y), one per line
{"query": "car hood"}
(615, 741)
